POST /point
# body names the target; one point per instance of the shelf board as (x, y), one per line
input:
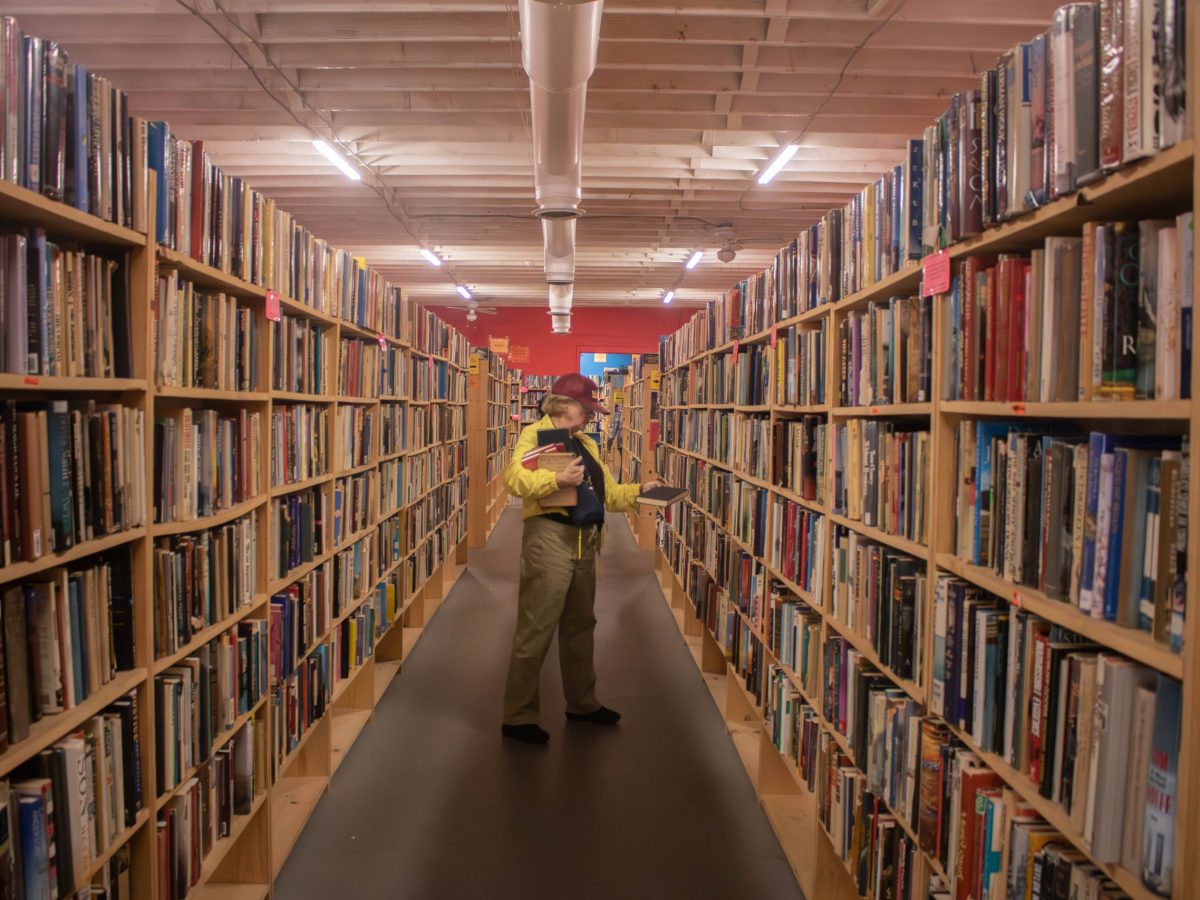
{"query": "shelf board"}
(64, 384)
(21, 570)
(116, 844)
(359, 331)
(208, 276)
(912, 548)
(205, 635)
(220, 890)
(278, 584)
(794, 820)
(385, 671)
(1132, 642)
(347, 725)
(745, 740)
(280, 490)
(55, 726)
(60, 220)
(863, 645)
(297, 397)
(349, 400)
(170, 392)
(291, 307)
(1157, 410)
(219, 741)
(884, 409)
(292, 803)
(160, 529)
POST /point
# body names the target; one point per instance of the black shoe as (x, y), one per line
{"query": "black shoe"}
(527, 734)
(601, 716)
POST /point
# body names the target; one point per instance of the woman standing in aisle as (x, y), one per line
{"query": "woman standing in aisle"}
(558, 563)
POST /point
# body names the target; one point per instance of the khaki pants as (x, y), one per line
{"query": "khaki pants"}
(558, 590)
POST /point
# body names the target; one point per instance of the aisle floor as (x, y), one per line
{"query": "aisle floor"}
(432, 803)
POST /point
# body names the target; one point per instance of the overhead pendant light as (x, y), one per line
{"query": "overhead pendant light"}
(337, 159)
(780, 160)
(668, 297)
(462, 292)
(431, 257)
(695, 259)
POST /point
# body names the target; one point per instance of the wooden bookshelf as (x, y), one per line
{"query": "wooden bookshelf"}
(1164, 184)
(639, 435)
(490, 387)
(246, 862)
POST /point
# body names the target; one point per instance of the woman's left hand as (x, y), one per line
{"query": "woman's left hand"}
(650, 485)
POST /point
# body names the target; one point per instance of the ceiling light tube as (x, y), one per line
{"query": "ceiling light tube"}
(780, 160)
(462, 292)
(695, 259)
(337, 159)
(668, 296)
(431, 257)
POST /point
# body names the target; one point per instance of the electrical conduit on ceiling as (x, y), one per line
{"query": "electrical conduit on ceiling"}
(559, 42)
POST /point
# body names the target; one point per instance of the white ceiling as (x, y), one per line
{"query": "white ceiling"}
(690, 99)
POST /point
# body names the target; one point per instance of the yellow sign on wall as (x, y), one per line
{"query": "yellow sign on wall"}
(474, 369)
(600, 357)
(518, 354)
(498, 345)
(618, 397)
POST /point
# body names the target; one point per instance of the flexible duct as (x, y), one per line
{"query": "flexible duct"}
(559, 237)
(561, 296)
(559, 42)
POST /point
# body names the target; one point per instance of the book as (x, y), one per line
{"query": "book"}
(661, 496)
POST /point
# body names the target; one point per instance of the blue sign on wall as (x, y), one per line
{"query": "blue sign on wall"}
(593, 369)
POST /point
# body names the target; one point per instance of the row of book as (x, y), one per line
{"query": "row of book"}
(65, 311)
(799, 449)
(202, 578)
(72, 472)
(431, 335)
(203, 338)
(204, 462)
(395, 374)
(300, 447)
(299, 355)
(1104, 316)
(67, 132)
(354, 504)
(354, 572)
(203, 809)
(299, 701)
(201, 697)
(881, 475)
(1097, 521)
(436, 379)
(299, 529)
(65, 635)
(1103, 87)
(355, 434)
(354, 642)
(300, 615)
(887, 353)
(61, 811)
(358, 368)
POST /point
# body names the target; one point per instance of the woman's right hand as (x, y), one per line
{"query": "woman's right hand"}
(572, 475)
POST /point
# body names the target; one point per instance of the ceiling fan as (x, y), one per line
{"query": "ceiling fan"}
(474, 309)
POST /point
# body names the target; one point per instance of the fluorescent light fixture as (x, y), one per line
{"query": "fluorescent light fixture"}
(695, 259)
(462, 292)
(668, 296)
(780, 160)
(430, 257)
(337, 159)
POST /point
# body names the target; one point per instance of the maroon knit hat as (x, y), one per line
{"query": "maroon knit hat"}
(578, 387)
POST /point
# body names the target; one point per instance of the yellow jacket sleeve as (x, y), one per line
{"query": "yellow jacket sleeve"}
(617, 497)
(523, 482)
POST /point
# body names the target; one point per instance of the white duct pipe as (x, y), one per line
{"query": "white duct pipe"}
(559, 237)
(559, 42)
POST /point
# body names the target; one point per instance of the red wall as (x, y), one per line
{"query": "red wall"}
(594, 329)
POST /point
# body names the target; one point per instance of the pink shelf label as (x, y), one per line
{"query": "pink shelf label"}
(736, 347)
(935, 274)
(273, 306)
(382, 342)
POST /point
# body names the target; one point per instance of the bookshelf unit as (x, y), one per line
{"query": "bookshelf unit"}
(380, 557)
(707, 541)
(490, 388)
(640, 429)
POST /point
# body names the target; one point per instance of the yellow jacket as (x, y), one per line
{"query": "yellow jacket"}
(535, 484)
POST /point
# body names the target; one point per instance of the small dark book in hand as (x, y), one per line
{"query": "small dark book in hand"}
(663, 495)
(554, 436)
